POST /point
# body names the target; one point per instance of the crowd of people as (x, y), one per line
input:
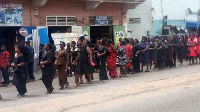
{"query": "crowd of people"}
(82, 58)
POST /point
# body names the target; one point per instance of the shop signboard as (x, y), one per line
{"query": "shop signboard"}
(10, 14)
(101, 20)
(119, 32)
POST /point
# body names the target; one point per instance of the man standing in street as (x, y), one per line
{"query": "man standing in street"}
(4, 64)
(30, 61)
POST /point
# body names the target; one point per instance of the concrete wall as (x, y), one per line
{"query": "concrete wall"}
(143, 11)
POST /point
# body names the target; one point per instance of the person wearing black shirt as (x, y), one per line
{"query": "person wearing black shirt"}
(47, 65)
(19, 78)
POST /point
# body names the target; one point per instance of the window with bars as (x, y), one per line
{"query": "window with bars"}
(60, 20)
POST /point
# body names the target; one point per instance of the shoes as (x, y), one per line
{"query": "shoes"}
(40, 79)
(20, 96)
(1, 97)
(4, 85)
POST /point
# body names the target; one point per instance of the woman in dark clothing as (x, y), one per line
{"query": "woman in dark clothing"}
(19, 78)
(165, 49)
(83, 66)
(102, 55)
(144, 54)
(96, 57)
(136, 59)
(153, 53)
(180, 51)
(75, 58)
(169, 62)
(47, 64)
(160, 60)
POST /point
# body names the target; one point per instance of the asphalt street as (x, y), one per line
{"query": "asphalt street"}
(174, 90)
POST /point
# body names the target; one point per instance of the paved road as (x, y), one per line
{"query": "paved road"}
(170, 89)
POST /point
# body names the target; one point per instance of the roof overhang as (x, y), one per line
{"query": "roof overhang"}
(39, 3)
(127, 4)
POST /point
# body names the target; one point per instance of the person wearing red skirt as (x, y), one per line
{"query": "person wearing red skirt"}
(191, 52)
(111, 59)
(198, 48)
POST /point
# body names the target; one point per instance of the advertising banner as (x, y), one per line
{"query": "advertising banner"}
(10, 14)
(119, 32)
(86, 31)
(65, 37)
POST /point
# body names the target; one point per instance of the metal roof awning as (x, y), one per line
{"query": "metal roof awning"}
(192, 24)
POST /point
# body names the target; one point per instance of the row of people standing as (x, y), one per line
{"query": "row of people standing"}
(157, 52)
(84, 58)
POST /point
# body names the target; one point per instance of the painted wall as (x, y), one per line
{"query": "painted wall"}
(175, 9)
(143, 11)
(77, 8)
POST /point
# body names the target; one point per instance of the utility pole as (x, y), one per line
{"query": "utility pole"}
(198, 18)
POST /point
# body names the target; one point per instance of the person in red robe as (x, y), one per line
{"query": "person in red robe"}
(128, 52)
(191, 52)
(198, 48)
(111, 59)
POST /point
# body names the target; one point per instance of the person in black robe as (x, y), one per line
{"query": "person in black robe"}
(83, 66)
(102, 55)
(174, 42)
(19, 78)
(153, 53)
(96, 57)
(136, 59)
(47, 64)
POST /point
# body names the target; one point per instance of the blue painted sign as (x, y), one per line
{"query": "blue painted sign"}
(2, 17)
(10, 14)
(101, 20)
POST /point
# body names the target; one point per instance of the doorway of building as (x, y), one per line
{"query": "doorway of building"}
(98, 32)
(8, 37)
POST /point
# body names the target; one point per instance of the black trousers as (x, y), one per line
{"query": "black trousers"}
(5, 75)
(30, 70)
(47, 79)
(103, 73)
(174, 57)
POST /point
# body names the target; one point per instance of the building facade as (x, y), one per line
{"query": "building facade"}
(62, 16)
(162, 13)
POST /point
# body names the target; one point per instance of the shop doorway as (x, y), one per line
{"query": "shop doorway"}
(98, 32)
(8, 37)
